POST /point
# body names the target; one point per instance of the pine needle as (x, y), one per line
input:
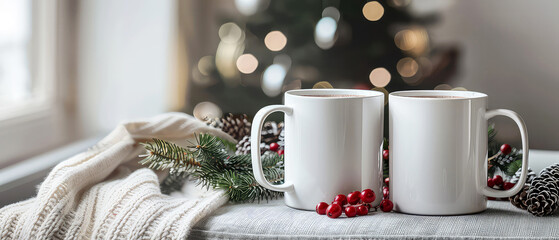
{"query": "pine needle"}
(208, 162)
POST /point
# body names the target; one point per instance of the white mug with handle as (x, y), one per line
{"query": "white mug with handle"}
(438, 152)
(333, 141)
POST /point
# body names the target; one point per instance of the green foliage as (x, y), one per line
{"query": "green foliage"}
(492, 144)
(385, 144)
(209, 163)
(493, 148)
(163, 155)
(513, 167)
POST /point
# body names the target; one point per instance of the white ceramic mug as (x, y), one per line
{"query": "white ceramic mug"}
(438, 152)
(333, 140)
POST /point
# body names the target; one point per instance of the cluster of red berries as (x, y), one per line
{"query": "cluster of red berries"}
(385, 190)
(355, 203)
(497, 182)
(276, 148)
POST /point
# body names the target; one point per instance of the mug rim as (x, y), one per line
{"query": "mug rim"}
(300, 93)
(464, 95)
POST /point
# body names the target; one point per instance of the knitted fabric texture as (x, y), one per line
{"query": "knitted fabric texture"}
(104, 194)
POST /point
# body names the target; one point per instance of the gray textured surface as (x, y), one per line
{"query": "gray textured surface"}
(274, 220)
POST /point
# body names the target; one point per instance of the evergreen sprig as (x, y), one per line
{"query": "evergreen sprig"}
(510, 167)
(208, 162)
(163, 155)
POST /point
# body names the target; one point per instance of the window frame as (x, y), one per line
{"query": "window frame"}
(43, 122)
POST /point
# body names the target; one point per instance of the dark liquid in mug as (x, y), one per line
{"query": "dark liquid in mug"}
(334, 96)
(435, 97)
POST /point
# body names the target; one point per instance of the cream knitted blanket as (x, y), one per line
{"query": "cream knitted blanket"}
(103, 193)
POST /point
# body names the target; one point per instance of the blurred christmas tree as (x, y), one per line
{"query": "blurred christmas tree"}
(274, 46)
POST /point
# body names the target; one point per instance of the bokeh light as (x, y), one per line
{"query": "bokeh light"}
(275, 41)
(207, 110)
(325, 32)
(331, 12)
(229, 49)
(373, 11)
(398, 3)
(405, 40)
(459, 89)
(272, 79)
(230, 33)
(380, 77)
(443, 86)
(247, 63)
(407, 67)
(247, 7)
(415, 40)
(206, 65)
(322, 84)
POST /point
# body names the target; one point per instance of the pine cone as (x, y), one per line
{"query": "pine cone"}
(519, 200)
(506, 159)
(552, 170)
(543, 194)
(530, 175)
(237, 126)
(281, 137)
(214, 122)
(243, 146)
(270, 132)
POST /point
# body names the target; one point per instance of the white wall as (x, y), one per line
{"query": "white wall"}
(125, 59)
(510, 50)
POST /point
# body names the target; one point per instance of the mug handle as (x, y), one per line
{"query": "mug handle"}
(255, 147)
(490, 192)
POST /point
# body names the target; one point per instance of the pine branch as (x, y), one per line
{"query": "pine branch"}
(210, 149)
(243, 187)
(162, 155)
(173, 182)
(209, 164)
(492, 145)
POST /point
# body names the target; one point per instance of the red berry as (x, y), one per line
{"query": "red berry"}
(337, 203)
(350, 211)
(341, 198)
(490, 182)
(386, 205)
(508, 185)
(368, 205)
(498, 180)
(362, 210)
(334, 211)
(506, 149)
(321, 208)
(387, 181)
(274, 147)
(385, 192)
(368, 196)
(385, 154)
(354, 197)
(280, 152)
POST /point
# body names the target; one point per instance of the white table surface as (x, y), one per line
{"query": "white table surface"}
(273, 220)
